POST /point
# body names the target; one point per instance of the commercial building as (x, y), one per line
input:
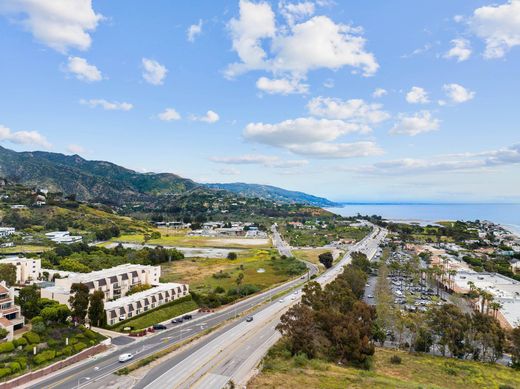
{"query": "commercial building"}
(137, 303)
(10, 317)
(63, 237)
(114, 282)
(27, 269)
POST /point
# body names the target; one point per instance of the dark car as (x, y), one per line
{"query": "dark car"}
(187, 317)
(159, 327)
(249, 319)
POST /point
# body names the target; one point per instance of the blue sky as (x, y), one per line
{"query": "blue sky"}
(360, 101)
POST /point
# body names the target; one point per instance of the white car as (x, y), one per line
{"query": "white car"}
(282, 300)
(125, 357)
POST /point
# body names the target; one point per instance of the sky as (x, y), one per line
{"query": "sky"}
(352, 100)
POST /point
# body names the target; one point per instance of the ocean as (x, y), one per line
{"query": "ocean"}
(507, 215)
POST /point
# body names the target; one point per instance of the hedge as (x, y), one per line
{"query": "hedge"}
(90, 334)
(20, 342)
(44, 356)
(15, 366)
(32, 337)
(79, 346)
(4, 371)
(6, 347)
(66, 350)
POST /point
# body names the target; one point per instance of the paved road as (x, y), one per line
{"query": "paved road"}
(234, 352)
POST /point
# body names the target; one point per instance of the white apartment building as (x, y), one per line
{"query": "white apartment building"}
(6, 231)
(114, 282)
(10, 317)
(27, 269)
(137, 303)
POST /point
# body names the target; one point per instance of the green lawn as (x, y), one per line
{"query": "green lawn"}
(415, 371)
(24, 249)
(158, 315)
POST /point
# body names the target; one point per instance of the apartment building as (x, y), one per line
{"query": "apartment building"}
(10, 317)
(27, 269)
(135, 304)
(6, 231)
(114, 282)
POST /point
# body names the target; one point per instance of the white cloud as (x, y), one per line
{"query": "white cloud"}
(418, 123)
(194, 30)
(76, 149)
(259, 159)
(107, 105)
(169, 114)
(498, 26)
(295, 49)
(82, 70)
(282, 86)
(379, 92)
(337, 150)
(417, 95)
(229, 171)
(294, 12)
(210, 117)
(461, 50)
(154, 73)
(446, 163)
(457, 93)
(355, 110)
(23, 137)
(60, 25)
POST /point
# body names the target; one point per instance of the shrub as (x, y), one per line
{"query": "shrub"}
(219, 289)
(15, 366)
(37, 319)
(32, 337)
(29, 348)
(6, 347)
(232, 256)
(73, 341)
(44, 356)
(39, 327)
(300, 360)
(67, 350)
(52, 343)
(90, 334)
(395, 360)
(22, 361)
(4, 372)
(20, 342)
(79, 346)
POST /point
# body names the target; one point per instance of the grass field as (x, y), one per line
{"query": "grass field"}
(182, 239)
(24, 249)
(158, 315)
(415, 371)
(198, 272)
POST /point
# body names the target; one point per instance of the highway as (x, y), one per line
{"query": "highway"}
(234, 353)
(100, 369)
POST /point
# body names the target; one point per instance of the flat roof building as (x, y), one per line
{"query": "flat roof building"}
(27, 269)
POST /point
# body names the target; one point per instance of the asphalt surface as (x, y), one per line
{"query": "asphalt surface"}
(99, 369)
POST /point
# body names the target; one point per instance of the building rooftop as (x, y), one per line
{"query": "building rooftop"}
(133, 298)
(107, 273)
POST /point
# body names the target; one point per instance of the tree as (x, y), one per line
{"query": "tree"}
(514, 338)
(232, 256)
(28, 301)
(326, 259)
(3, 333)
(361, 261)
(79, 301)
(56, 314)
(8, 273)
(96, 309)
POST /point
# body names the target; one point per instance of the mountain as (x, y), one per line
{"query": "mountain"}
(274, 193)
(108, 183)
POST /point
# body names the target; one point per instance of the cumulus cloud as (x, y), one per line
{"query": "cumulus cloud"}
(460, 50)
(294, 12)
(355, 110)
(209, 117)
(282, 86)
(457, 93)
(76, 149)
(417, 95)
(446, 163)
(169, 114)
(82, 70)
(498, 26)
(60, 25)
(259, 159)
(194, 30)
(379, 92)
(418, 123)
(297, 48)
(107, 105)
(153, 72)
(23, 137)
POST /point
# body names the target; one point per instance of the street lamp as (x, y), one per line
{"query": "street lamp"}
(83, 378)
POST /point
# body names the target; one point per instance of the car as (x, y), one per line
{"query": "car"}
(293, 298)
(125, 357)
(370, 296)
(187, 317)
(281, 300)
(249, 319)
(159, 327)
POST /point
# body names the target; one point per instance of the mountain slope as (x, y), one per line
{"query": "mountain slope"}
(273, 193)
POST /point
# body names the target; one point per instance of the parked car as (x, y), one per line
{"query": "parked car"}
(159, 327)
(125, 357)
(249, 319)
(187, 317)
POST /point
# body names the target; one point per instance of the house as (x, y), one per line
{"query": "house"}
(6, 231)
(27, 269)
(10, 317)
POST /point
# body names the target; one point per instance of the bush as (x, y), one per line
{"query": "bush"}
(90, 334)
(73, 341)
(29, 348)
(67, 350)
(232, 256)
(39, 327)
(37, 319)
(5, 372)
(219, 289)
(44, 356)
(300, 360)
(79, 346)
(395, 360)
(20, 342)
(6, 347)
(22, 361)
(32, 337)
(15, 366)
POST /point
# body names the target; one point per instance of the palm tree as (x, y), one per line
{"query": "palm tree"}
(451, 273)
(495, 306)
